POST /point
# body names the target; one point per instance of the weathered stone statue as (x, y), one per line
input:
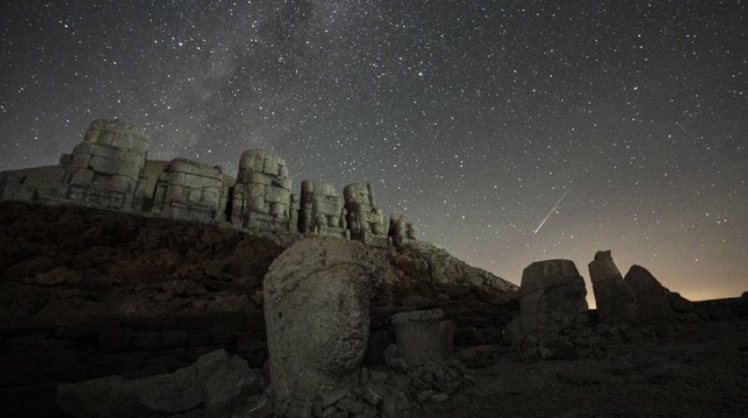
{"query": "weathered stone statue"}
(105, 169)
(261, 198)
(616, 303)
(191, 190)
(365, 221)
(316, 296)
(400, 230)
(321, 209)
(551, 295)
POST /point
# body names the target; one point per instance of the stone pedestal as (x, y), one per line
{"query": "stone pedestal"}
(423, 336)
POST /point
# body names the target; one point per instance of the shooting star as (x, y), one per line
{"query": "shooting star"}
(549, 213)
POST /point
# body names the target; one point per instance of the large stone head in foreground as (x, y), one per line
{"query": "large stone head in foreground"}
(316, 297)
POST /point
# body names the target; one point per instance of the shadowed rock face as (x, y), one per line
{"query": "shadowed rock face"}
(316, 297)
(616, 303)
(551, 295)
(651, 296)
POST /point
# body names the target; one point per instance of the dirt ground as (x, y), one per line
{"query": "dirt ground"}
(701, 373)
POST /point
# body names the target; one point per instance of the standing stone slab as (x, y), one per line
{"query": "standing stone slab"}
(651, 296)
(551, 296)
(616, 302)
(316, 296)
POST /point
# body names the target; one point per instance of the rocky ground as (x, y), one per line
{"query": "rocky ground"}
(703, 372)
(87, 294)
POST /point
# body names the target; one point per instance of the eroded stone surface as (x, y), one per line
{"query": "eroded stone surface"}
(616, 302)
(651, 296)
(210, 385)
(191, 190)
(423, 336)
(316, 299)
(322, 211)
(551, 295)
(365, 221)
(262, 194)
(105, 169)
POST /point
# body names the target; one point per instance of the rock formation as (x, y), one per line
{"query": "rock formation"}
(316, 300)
(365, 221)
(616, 303)
(261, 198)
(191, 190)
(105, 169)
(322, 211)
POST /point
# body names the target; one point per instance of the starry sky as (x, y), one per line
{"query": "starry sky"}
(508, 131)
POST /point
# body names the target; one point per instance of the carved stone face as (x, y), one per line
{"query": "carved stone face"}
(358, 193)
(337, 327)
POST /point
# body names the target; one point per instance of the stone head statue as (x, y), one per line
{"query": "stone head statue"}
(317, 314)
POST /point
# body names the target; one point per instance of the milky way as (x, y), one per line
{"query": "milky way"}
(471, 117)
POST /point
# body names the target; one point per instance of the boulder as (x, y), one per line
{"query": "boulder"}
(616, 302)
(216, 383)
(316, 297)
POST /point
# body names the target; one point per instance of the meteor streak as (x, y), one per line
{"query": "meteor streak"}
(549, 213)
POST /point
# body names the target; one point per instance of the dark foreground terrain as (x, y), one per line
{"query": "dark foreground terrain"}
(701, 373)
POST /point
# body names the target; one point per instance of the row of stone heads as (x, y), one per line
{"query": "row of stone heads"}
(110, 168)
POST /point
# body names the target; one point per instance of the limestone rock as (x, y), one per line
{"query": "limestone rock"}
(316, 297)
(616, 303)
(651, 296)
(214, 383)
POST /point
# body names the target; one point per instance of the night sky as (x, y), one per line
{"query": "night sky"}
(507, 131)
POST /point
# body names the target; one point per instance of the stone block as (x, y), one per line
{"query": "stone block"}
(422, 336)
